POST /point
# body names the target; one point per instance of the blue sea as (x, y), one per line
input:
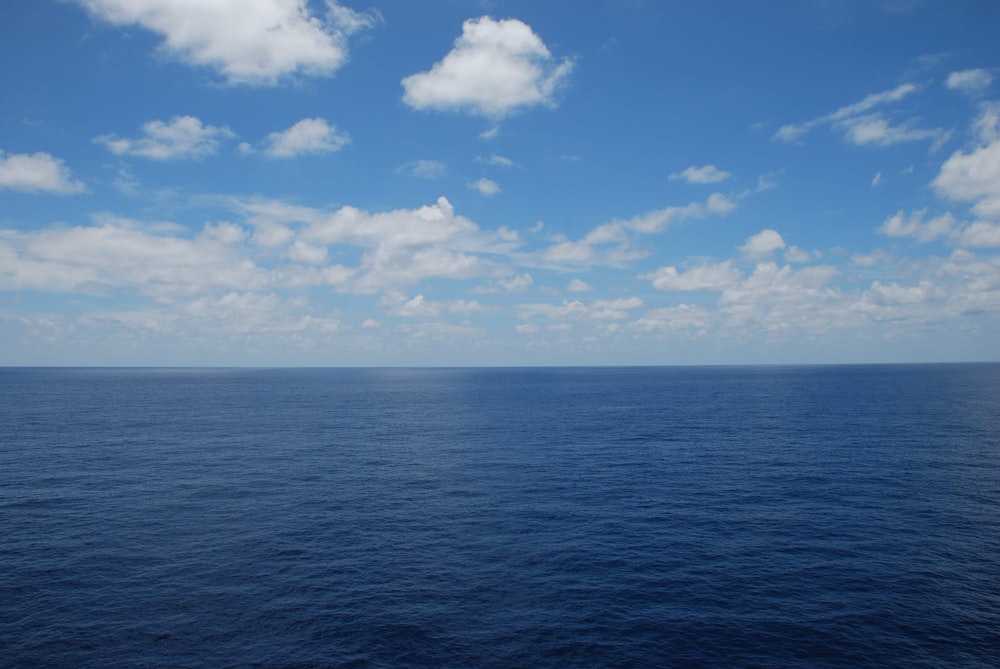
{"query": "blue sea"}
(834, 516)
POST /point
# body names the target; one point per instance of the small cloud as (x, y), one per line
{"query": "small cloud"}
(704, 277)
(486, 187)
(579, 286)
(765, 182)
(970, 81)
(308, 136)
(492, 133)
(877, 179)
(762, 245)
(425, 169)
(899, 225)
(870, 259)
(718, 203)
(707, 174)
(180, 137)
(517, 284)
(371, 324)
(494, 69)
(502, 161)
(795, 254)
(527, 328)
(37, 172)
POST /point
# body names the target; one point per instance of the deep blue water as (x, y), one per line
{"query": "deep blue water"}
(688, 517)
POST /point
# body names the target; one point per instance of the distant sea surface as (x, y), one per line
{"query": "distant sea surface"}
(844, 516)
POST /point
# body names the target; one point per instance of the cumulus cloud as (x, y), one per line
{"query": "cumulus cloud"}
(400, 247)
(38, 173)
(395, 303)
(486, 187)
(256, 43)
(600, 310)
(974, 176)
(494, 69)
(612, 243)
(308, 136)
(672, 319)
(707, 174)
(516, 284)
(181, 137)
(795, 254)
(708, 276)
(970, 81)
(981, 234)
(779, 299)
(762, 245)
(276, 246)
(898, 225)
(579, 286)
(118, 253)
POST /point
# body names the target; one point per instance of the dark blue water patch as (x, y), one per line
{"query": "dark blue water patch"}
(772, 516)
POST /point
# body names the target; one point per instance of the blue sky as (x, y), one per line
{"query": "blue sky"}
(459, 182)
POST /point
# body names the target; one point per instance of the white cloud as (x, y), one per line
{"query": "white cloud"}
(123, 254)
(611, 243)
(181, 137)
(307, 254)
(876, 257)
(877, 179)
(516, 284)
(898, 225)
(599, 310)
(975, 176)
(780, 299)
(672, 319)
(425, 169)
(502, 161)
(37, 172)
(400, 247)
(308, 136)
(981, 234)
(762, 244)
(395, 303)
(970, 81)
(495, 68)
(718, 203)
(709, 276)
(794, 132)
(702, 175)
(579, 286)
(795, 254)
(257, 42)
(486, 187)
(875, 129)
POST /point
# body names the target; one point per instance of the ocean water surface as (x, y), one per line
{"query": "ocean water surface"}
(839, 516)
